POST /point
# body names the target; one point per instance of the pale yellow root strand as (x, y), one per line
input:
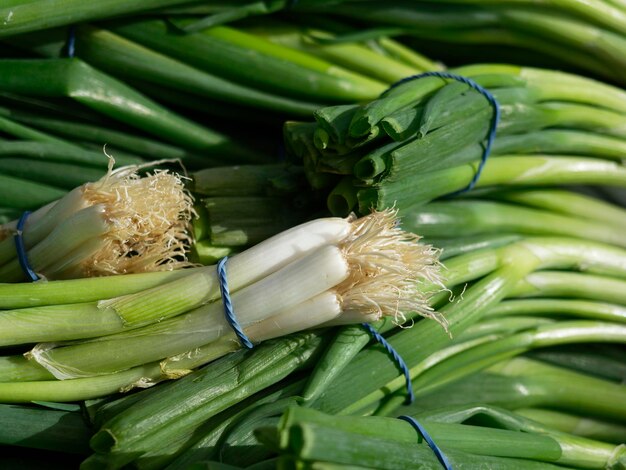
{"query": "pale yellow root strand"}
(388, 268)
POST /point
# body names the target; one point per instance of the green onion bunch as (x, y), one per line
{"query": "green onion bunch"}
(424, 138)
(508, 317)
(121, 223)
(91, 337)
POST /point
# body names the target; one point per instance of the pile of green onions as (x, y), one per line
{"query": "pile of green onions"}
(523, 366)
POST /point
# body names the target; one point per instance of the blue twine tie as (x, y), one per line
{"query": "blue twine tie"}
(70, 47)
(494, 119)
(396, 357)
(420, 429)
(22, 258)
(228, 305)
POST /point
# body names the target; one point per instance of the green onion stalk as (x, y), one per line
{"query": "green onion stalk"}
(572, 423)
(488, 415)
(45, 427)
(522, 383)
(599, 360)
(22, 17)
(518, 213)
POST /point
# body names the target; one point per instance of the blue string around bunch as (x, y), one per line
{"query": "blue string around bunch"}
(70, 44)
(429, 440)
(495, 118)
(20, 248)
(396, 357)
(229, 312)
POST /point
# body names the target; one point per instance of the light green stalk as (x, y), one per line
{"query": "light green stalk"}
(266, 64)
(557, 307)
(573, 285)
(22, 17)
(474, 217)
(578, 425)
(120, 56)
(568, 202)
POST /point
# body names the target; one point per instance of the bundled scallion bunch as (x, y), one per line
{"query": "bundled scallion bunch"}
(121, 223)
(225, 410)
(315, 274)
(424, 138)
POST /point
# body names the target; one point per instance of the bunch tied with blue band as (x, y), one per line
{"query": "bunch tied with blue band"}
(487, 150)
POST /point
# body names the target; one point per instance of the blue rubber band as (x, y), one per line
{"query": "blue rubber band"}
(71, 41)
(22, 258)
(494, 119)
(228, 305)
(420, 429)
(399, 361)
